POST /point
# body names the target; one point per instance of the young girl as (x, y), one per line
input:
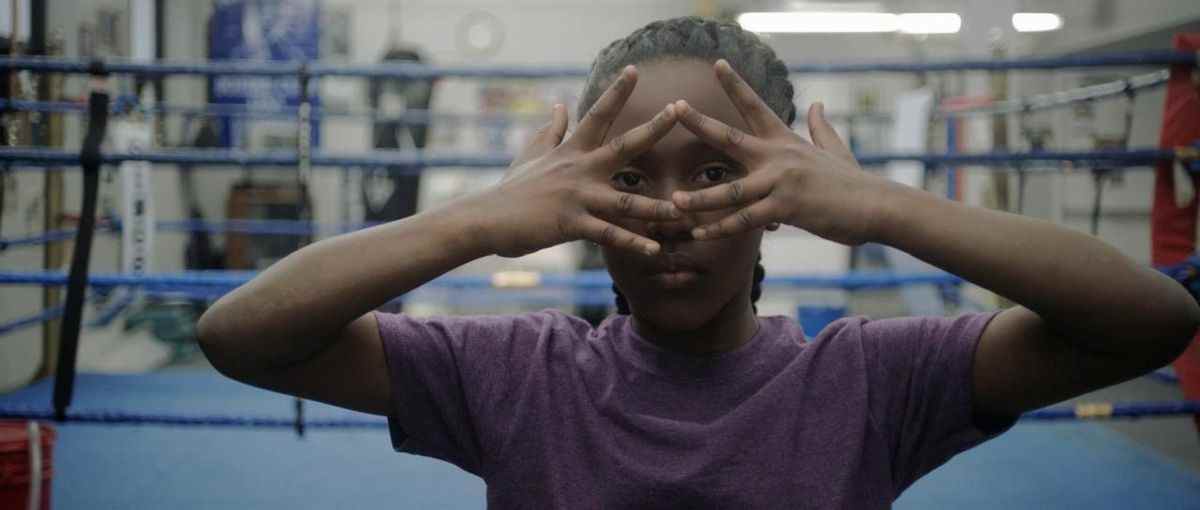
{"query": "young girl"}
(686, 398)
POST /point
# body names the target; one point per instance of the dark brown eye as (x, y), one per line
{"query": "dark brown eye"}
(627, 180)
(714, 174)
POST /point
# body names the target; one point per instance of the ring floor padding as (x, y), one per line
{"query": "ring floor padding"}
(1035, 465)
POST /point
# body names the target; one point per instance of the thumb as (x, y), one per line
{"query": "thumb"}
(546, 138)
(822, 132)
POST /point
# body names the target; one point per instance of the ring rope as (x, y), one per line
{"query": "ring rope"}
(318, 69)
(46, 315)
(1079, 412)
(414, 162)
(1117, 88)
(592, 279)
(414, 116)
(1113, 89)
(263, 227)
(1164, 376)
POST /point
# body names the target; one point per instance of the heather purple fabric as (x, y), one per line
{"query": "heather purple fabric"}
(554, 414)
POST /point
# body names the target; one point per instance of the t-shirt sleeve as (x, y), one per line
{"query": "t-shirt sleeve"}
(920, 377)
(453, 378)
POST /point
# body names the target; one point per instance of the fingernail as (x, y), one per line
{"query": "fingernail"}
(558, 106)
(650, 250)
(681, 198)
(674, 212)
(821, 109)
(669, 111)
(698, 233)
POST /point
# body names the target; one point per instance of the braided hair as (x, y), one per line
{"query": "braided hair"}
(693, 37)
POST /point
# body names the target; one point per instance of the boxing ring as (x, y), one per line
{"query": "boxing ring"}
(182, 439)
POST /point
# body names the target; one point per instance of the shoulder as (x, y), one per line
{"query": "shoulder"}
(900, 331)
(544, 321)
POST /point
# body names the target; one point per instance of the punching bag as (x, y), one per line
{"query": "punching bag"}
(387, 193)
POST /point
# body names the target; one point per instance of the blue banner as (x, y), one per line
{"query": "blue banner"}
(263, 30)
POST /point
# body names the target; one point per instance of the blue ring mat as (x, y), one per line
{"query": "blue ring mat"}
(1063, 465)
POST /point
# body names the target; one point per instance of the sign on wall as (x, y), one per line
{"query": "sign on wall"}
(263, 30)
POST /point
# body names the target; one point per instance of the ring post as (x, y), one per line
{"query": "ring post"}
(90, 160)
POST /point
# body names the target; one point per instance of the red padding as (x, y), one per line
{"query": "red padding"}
(1173, 232)
(15, 475)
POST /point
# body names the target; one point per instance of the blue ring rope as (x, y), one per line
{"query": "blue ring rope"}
(1122, 410)
(413, 162)
(48, 314)
(242, 111)
(257, 227)
(593, 279)
(1118, 88)
(421, 71)
(1164, 376)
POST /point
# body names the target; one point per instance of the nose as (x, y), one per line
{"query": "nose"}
(671, 233)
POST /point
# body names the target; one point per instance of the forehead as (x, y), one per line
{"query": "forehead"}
(667, 81)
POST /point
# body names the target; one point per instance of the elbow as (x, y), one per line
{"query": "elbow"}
(1187, 329)
(218, 342)
(1176, 335)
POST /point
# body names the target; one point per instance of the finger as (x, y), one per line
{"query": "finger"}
(546, 138)
(615, 204)
(717, 134)
(732, 194)
(760, 214)
(595, 124)
(823, 135)
(604, 233)
(761, 119)
(628, 145)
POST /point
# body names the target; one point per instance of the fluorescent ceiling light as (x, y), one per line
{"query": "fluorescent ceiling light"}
(819, 22)
(828, 22)
(930, 23)
(1036, 21)
(805, 6)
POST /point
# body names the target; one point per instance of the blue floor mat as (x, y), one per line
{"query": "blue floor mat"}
(1067, 465)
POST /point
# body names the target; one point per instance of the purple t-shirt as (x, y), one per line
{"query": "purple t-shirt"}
(552, 413)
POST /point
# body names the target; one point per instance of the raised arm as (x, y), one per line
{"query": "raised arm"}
(1089, 316)
(303, 326)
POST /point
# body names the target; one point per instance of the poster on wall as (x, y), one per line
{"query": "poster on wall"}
(268, 31)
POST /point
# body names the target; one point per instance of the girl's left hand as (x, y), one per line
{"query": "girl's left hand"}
(816, 186)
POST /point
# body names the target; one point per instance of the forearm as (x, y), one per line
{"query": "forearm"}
(294, 308)
(1084, 289)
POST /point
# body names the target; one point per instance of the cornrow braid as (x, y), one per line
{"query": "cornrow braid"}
(693, 37)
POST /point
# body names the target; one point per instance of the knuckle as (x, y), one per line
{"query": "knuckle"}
(608, 235)
(657, 123)
(566, 227)
(617, 145)
(746, 220)
(735, 191)
(625, 203)
(733, 136)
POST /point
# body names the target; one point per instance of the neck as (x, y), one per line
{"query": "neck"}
(730, 328)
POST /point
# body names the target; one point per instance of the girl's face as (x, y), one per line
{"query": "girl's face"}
(689, 282)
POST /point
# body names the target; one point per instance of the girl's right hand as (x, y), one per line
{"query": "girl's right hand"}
(558, 191)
